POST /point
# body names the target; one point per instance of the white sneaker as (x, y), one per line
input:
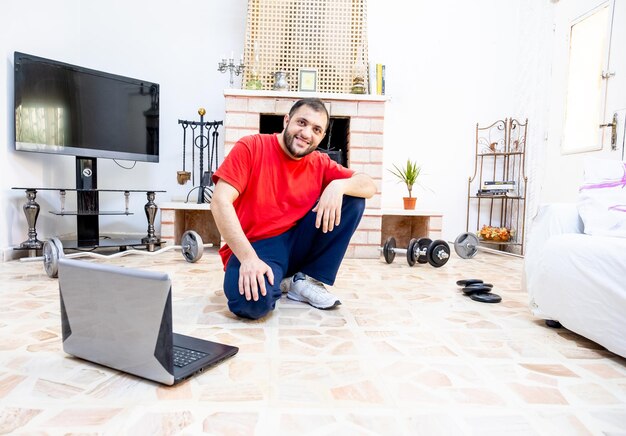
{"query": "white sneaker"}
(308, 290)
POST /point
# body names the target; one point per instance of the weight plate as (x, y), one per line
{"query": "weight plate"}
(438, 253)
(469, 290)
(466, 245)
(486, 285)
(468, 282)
(51, 255)
(192, 246)
(388, 249)
(422, 244)
(412, 252)
(57, 242)
(486, 297)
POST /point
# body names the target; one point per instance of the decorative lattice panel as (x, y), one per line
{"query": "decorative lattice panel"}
(329, 36)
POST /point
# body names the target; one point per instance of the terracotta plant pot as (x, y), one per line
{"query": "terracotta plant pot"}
(409, 203)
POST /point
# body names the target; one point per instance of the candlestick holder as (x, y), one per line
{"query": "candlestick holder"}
(230, 66)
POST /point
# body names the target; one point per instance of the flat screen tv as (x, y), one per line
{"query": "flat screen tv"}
(67, 109)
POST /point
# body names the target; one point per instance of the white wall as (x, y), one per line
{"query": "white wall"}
(449, 66)
(176, 44)
(48, 29)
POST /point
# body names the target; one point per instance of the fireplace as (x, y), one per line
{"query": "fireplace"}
(356, 138)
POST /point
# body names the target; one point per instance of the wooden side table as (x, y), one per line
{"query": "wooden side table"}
(404, 225)
(177, 217)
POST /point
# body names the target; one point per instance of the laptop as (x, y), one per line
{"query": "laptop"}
(122, 318)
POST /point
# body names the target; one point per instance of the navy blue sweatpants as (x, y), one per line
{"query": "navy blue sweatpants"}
(303, 248)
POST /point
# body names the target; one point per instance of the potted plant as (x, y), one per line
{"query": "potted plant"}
(408, 174)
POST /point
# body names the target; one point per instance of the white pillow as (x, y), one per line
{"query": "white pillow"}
(602, 197)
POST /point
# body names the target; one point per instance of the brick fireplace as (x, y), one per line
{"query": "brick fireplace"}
(366, 115)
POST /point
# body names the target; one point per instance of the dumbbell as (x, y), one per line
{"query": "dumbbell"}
(423, 250)
(466, 246)
(191, 246)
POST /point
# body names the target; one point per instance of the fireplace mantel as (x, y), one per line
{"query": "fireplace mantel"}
(249, 93)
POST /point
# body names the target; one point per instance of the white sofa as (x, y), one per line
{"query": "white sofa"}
(577, 279)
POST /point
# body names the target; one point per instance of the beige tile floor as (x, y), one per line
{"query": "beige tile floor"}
(406, 354)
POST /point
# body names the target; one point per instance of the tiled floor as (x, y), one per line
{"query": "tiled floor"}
(406, 354)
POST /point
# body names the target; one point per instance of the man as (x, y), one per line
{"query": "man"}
(286, 213)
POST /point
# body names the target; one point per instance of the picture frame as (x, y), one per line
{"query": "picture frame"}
(307, 79)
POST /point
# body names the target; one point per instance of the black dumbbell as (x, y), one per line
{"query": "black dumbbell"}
(423, 250)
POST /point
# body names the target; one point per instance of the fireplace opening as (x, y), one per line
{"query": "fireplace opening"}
(335, 143)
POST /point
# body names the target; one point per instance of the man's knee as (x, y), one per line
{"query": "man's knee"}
(251, 309)
(238, 304)
(354, 205)
(351, 212)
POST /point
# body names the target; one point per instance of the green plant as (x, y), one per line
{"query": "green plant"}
(408, 174)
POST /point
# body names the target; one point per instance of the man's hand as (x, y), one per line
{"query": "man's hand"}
(329, 207)
(252, 278)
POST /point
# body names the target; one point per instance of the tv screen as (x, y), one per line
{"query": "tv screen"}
(66, 109)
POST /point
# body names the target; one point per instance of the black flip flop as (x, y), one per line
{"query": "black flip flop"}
(466, 282)
(486, 297)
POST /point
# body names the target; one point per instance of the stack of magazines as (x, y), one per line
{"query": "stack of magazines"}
(496, 188)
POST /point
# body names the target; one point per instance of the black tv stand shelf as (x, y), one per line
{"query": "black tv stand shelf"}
(87, 226)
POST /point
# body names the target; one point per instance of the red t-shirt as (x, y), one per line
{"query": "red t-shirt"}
(275, 191)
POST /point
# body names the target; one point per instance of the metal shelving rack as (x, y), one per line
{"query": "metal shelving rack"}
(500, 156)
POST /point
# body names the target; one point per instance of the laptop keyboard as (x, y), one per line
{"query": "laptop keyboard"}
(185, 356)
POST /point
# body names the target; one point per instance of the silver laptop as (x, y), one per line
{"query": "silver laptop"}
(122, 318)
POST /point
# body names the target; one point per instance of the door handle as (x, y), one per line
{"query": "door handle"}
(613, 126)
(607, 74)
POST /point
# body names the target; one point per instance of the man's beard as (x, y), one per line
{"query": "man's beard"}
(288, 139)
